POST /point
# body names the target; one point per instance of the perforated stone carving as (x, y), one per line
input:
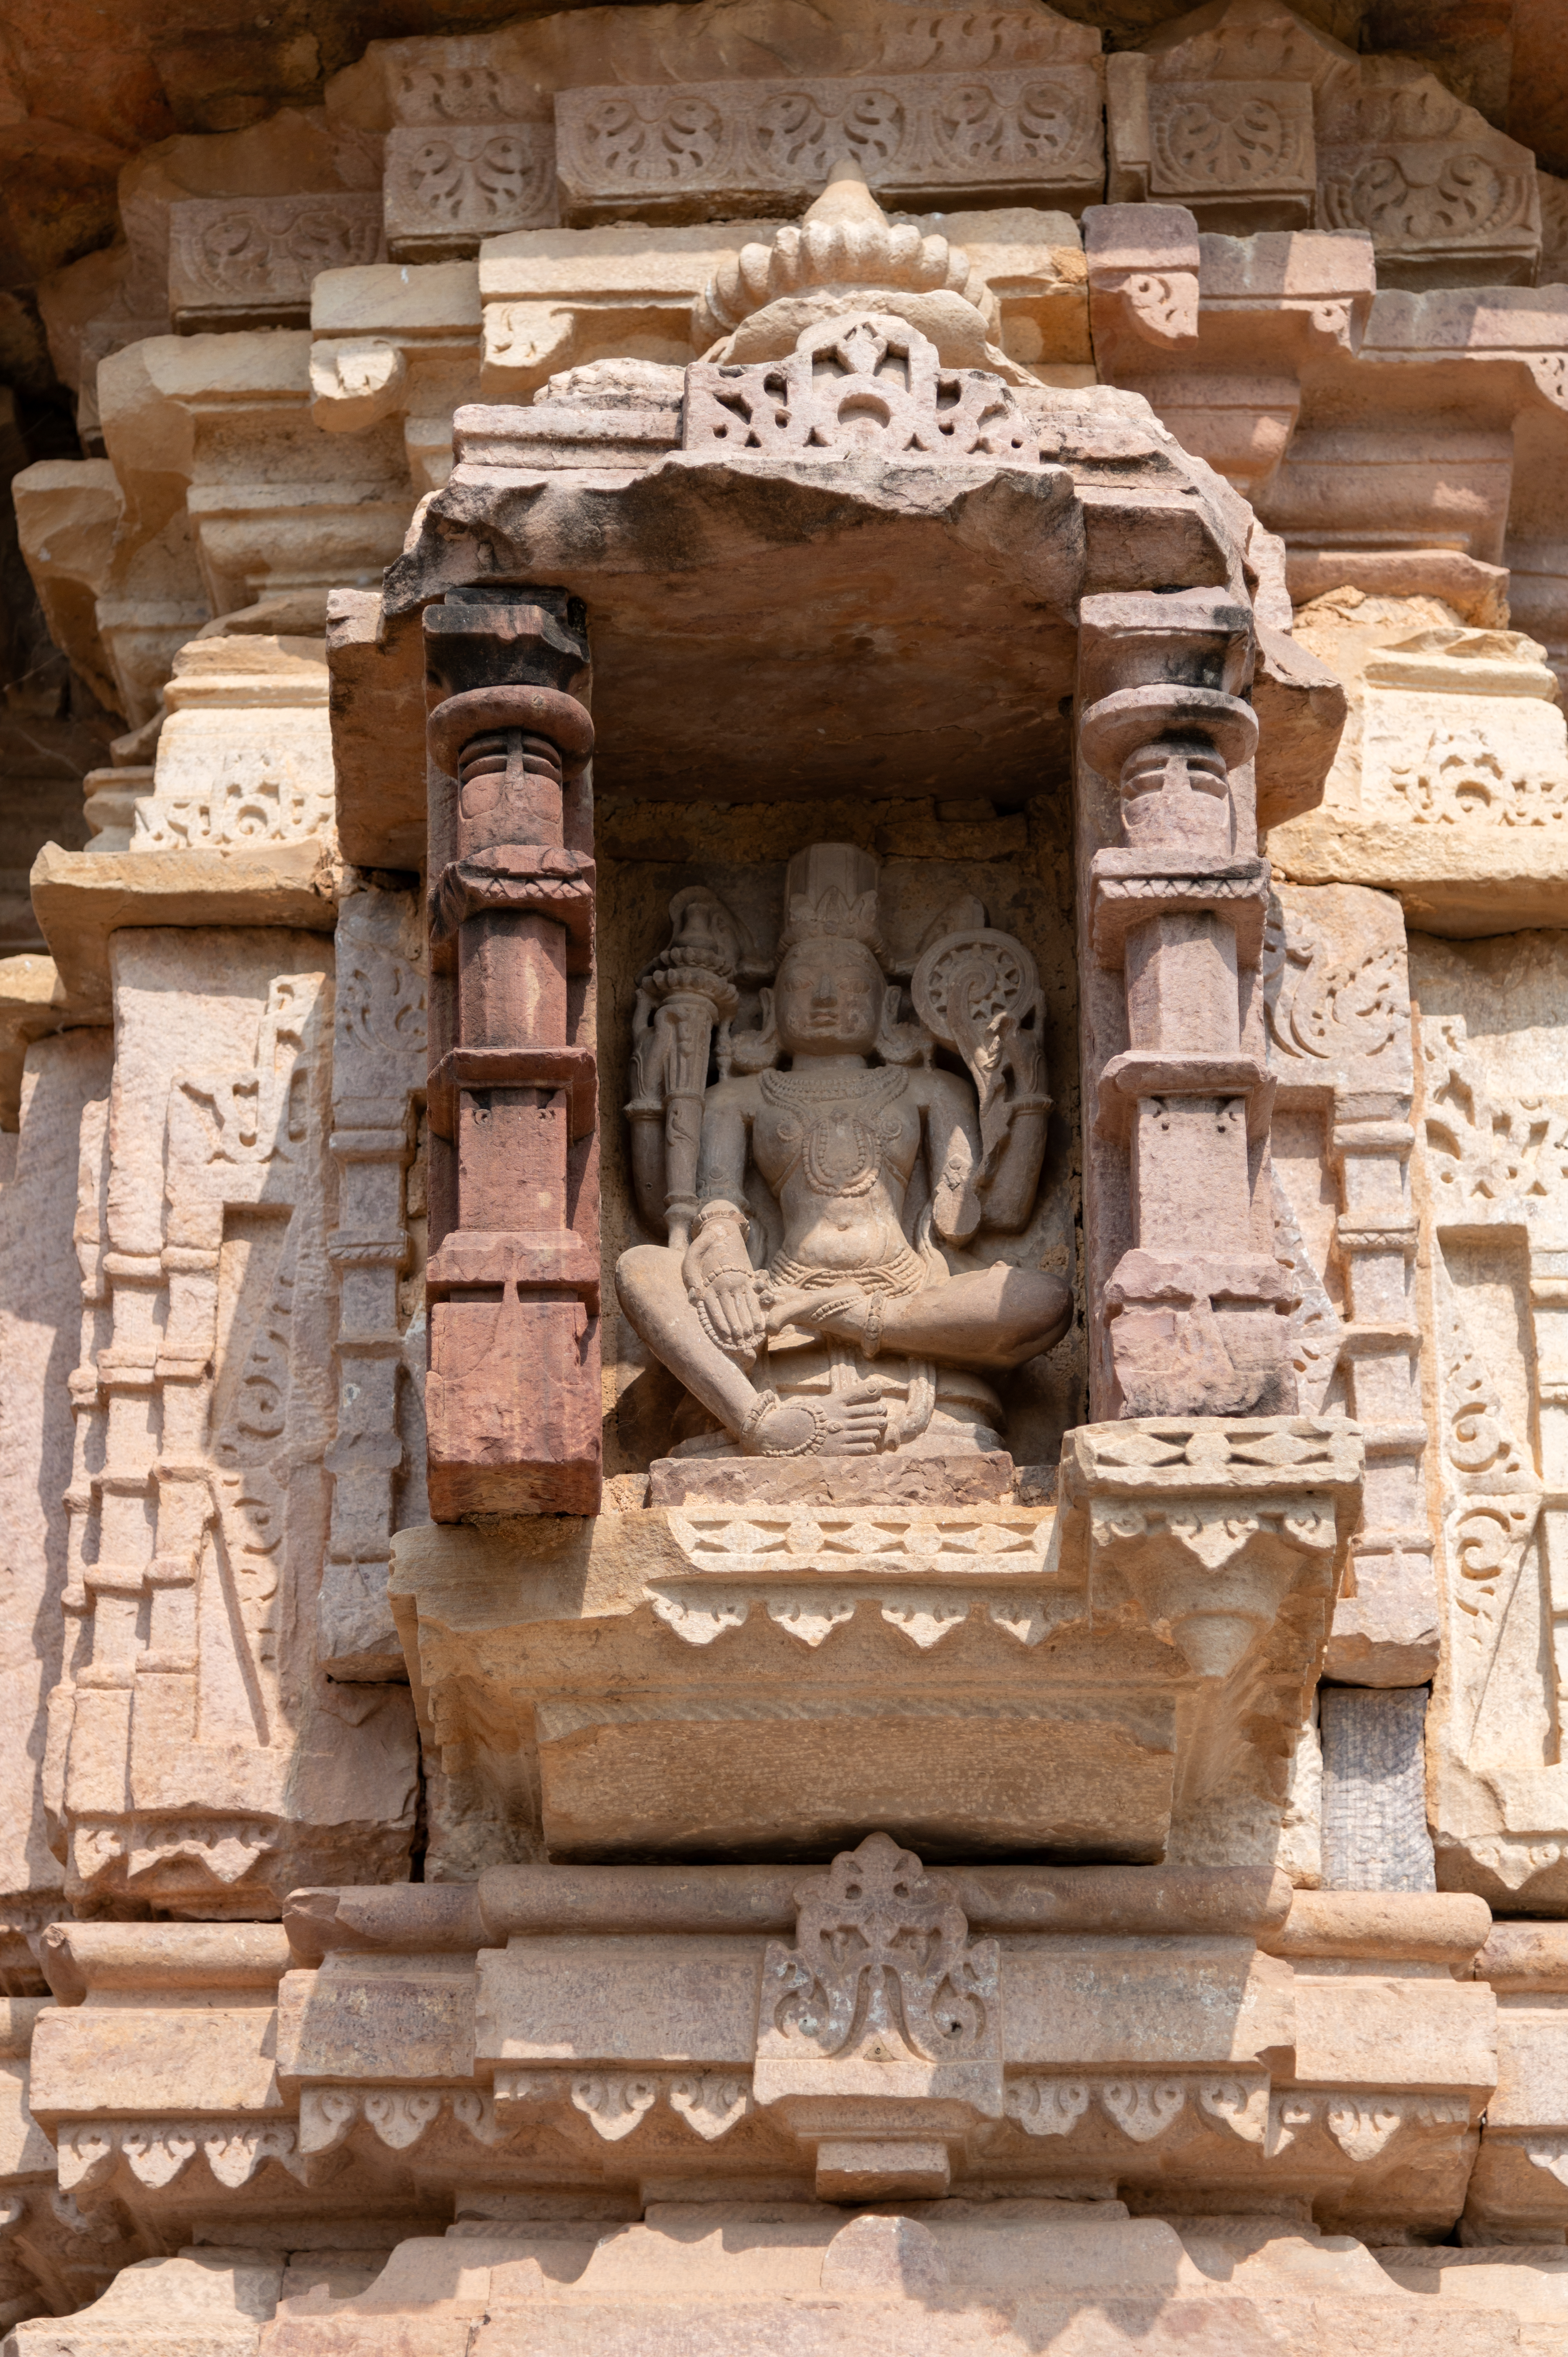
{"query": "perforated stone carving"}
(870, 382)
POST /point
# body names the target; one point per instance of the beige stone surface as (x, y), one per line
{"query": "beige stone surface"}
(942, 2276)
(1450, 775)
(65, 1085)
(209, 2304)
(1404, 1926)
(866, 509)
(1359, 2023)
(1337, 1016)
(1490, 1028)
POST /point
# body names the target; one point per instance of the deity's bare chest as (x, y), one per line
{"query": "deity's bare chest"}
(835, 1135)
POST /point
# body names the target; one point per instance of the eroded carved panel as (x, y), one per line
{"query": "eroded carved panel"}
(743, 142)
(206, 1765)
(449, 184)
(379, 1045)
(1496, 1166)
(249, 260)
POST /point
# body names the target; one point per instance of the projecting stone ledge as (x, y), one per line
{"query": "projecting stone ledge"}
(764, 1675)
(83, 896)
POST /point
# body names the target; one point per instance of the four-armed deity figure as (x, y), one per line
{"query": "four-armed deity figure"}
(804, 1298)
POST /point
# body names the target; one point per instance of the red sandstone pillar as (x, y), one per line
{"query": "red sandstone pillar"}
(512, 1401)
(1190, 1295)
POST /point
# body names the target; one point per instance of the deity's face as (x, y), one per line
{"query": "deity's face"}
(828, 998)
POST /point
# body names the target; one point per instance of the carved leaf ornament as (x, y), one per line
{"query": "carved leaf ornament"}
(883, 1965)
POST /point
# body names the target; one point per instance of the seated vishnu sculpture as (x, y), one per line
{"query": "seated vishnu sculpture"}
(804, 1298)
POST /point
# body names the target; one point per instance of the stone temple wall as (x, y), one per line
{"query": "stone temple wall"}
(784, 1217)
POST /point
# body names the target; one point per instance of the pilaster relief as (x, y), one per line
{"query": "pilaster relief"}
(1496, 1167)
(1336, 1001)
(197, 1759)
(1172, 915)
(378, 1068)
(513, 1278)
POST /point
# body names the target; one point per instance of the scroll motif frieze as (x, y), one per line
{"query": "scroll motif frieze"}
(449, 184)
(1038, 130)
(1227, 137)
(257, 256)
(1428, 178)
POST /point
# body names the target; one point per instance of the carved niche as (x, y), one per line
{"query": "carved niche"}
(833, 1182)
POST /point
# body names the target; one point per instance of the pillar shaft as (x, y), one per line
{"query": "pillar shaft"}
(1189, 1295)
(513, 1395)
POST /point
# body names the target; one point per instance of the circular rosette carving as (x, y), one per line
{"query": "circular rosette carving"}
(968, 981)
